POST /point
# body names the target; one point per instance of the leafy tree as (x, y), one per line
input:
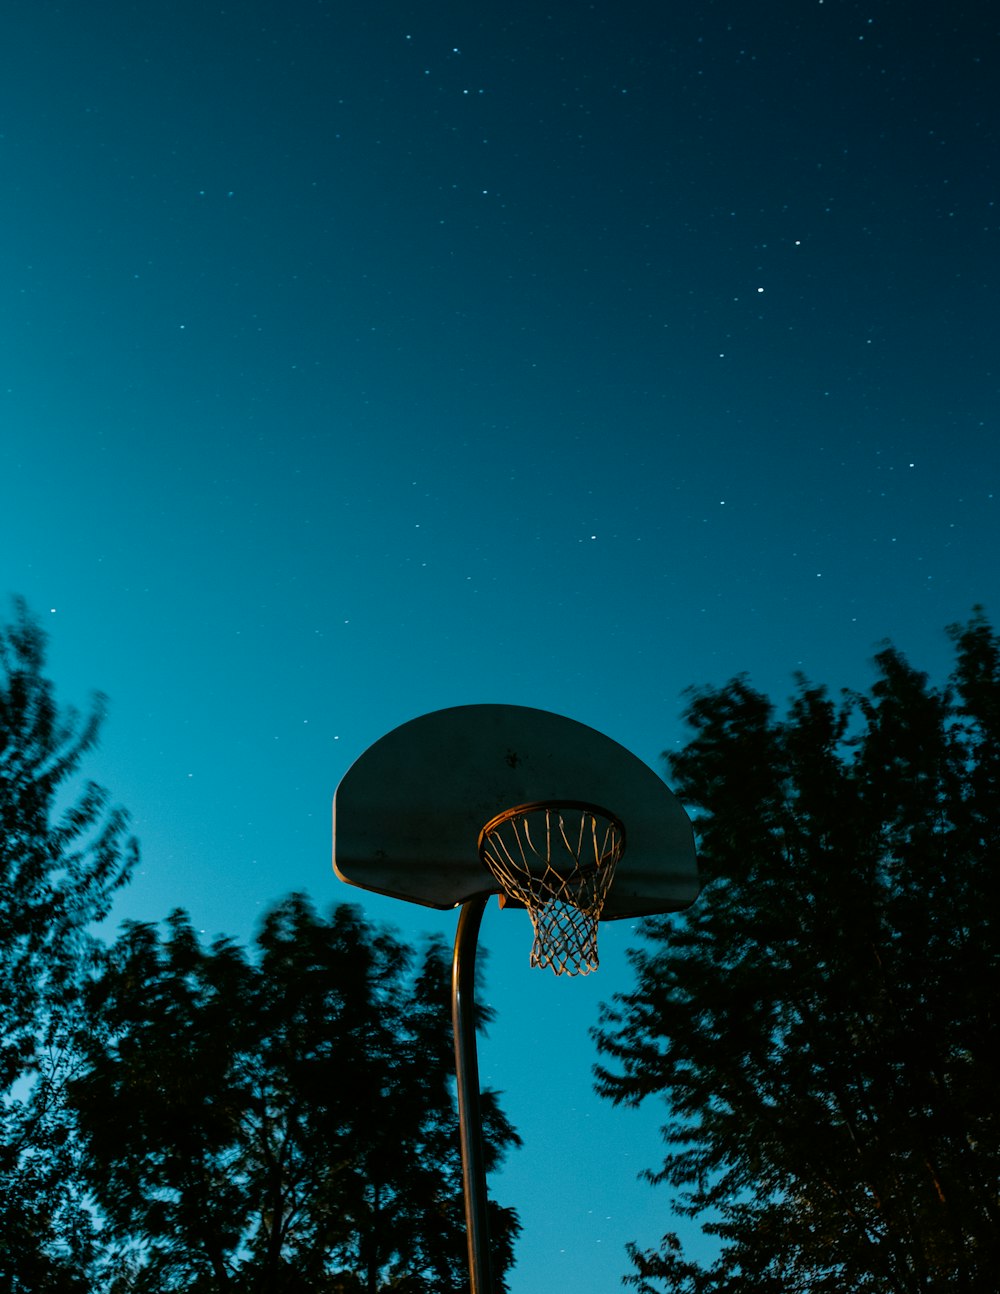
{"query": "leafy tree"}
(279, 1123)
(64, 850)
(823, 1022)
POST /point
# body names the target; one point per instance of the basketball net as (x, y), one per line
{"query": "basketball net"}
(558, 860)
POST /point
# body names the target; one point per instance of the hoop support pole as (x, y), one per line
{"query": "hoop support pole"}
(470, 1122)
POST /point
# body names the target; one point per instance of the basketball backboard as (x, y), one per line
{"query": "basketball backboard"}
(408, 813)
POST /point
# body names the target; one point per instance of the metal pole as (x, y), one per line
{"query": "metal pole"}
(463, 1015)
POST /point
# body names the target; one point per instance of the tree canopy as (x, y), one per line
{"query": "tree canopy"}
(62, 856)
(281, 1122)
(64, 851)
(207, 1119)
(823, 1021)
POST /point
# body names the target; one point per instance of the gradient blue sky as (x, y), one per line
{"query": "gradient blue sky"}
(360, 360)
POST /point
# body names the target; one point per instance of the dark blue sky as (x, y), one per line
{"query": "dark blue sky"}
(360, 360)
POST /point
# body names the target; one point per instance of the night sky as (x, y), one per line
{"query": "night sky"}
(364, 359)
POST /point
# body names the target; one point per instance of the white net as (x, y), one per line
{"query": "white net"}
(558, 860)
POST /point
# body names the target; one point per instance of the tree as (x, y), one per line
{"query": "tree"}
(823, 1021)
(63, 854)
(282, 1122)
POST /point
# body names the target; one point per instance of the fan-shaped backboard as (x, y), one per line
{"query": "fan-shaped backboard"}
(407, 814)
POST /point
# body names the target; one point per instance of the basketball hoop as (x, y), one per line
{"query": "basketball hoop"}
(404, 819)
(556, 858)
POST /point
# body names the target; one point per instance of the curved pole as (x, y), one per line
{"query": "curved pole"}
(463, 1015)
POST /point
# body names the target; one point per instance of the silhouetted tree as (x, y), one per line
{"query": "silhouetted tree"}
(824, 1021)
(63, 852)
(279, 1123)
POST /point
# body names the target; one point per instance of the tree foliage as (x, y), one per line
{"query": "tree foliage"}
(823, 1021)
(281, 1122)
(176, 1117)
(64, 850)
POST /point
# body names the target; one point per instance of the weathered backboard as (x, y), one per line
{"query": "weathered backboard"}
(407, 814)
